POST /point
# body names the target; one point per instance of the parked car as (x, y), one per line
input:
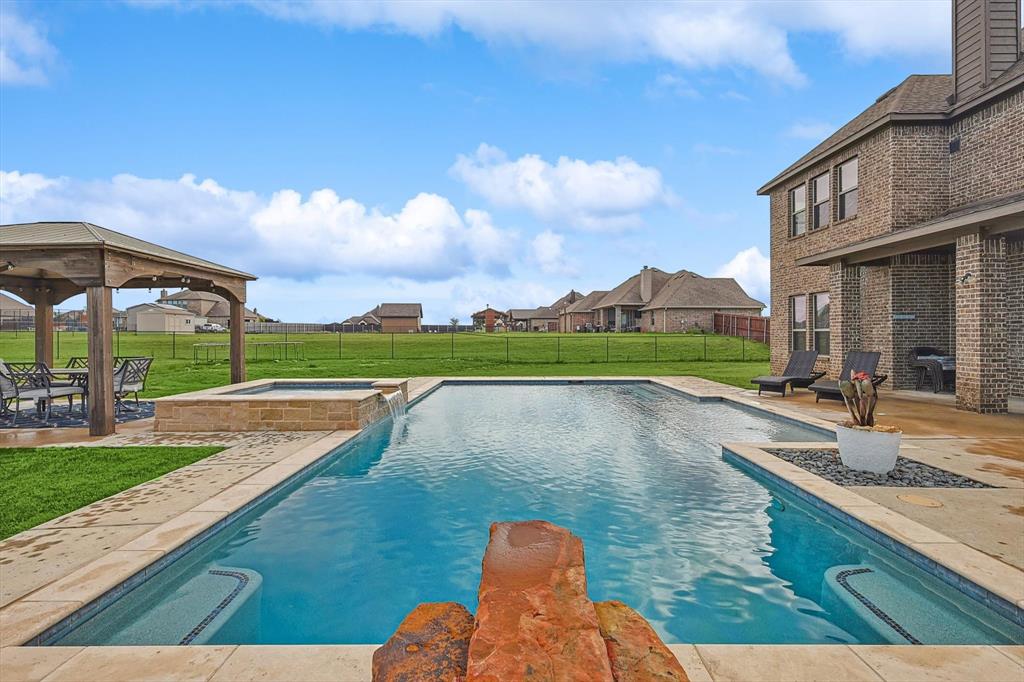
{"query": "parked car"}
(210, 327)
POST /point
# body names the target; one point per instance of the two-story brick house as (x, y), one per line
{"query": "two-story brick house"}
(906, 227)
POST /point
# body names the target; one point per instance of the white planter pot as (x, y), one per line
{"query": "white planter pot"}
(865, 450)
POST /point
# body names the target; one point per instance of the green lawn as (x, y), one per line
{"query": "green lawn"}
(39, 484)
(720, 358)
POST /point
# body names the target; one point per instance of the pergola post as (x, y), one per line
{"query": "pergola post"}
(44, 331)
(237, 340)
(99, 306)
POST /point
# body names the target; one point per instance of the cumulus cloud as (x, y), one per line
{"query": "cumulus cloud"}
(752, 269)
(599, 195)
(744, 34)
(815, 131)
(285, 234)
(548, 251)
(26, 56)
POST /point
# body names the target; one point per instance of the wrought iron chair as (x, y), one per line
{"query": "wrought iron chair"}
(130, 378)
(33, 381)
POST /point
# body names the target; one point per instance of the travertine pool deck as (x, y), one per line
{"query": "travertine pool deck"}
(50, 571)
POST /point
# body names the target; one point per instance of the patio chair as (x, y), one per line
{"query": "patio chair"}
(856, 361)
(130, 378)
(799, 372)
(927, 362)
(77, 362)
(18, 383)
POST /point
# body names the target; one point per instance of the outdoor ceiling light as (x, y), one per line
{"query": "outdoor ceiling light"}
(10, 265)
(967, 278)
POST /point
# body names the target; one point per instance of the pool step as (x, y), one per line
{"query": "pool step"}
(220, 605)
(897, 609)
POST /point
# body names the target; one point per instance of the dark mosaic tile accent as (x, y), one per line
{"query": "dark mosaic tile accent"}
(242, 579)
(842, 578)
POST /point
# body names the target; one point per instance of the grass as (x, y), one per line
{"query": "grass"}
(729, 360)
(39, 484)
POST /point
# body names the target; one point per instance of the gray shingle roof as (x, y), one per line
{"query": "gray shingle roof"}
(164, 307)
(8, 303)
(586, 304)
(87, 234)
(399, 310)
(570, 297)
(541, 313)
(689, 290)
(628, 293)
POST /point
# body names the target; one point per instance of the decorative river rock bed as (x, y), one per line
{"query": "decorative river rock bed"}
(906, 474)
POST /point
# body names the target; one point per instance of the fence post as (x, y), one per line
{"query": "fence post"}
(118, 341)
(743, 348)
(655, 348)
(453, 345)
(607, 357)
(58, 342)
(506, 350)
(392, 345)
(558, 349)
(339, 344)
(174, 345)
(705, 348)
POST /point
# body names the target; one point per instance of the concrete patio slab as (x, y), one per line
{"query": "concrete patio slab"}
(939, 663)
(749, 663)
(307, 663)
(158, 664)
(31, 664)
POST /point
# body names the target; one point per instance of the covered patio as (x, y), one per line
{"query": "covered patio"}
(47, 263)
(953, 286)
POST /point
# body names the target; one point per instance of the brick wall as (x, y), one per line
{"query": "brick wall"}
(875, 318)
(920, 173)
(922, 286)
(1015, 314)
(982, 374)
(988, 164)
(687, 319)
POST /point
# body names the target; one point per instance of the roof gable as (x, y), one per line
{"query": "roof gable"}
(689, 290)
(399, 310)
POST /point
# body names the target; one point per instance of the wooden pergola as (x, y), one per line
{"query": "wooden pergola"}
(47, 263)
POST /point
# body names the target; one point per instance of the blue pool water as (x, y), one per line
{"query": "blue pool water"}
(401, 515)
(287, 387)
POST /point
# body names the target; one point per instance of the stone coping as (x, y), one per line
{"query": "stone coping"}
(986, 579)
(37, 613)
(232, 392)
(351, 663)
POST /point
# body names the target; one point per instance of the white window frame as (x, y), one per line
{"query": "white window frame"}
(793, 212)
(793, 330)
(818, 201)
(847, 190)
(815, 329)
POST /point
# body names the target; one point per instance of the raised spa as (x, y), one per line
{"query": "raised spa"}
(400, 516)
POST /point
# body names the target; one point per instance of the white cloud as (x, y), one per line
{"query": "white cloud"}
(26, 56)
(745, 34)
(602, 195)
(670, 85)
(284, 235)
(815, 131)
(548, 251)
(752, 269)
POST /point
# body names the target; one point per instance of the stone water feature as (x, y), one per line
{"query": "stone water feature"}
(534, 622)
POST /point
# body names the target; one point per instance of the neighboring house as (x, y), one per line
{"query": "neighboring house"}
(399, 317)
(905, 227)
(619, 309)
(367, 322)
(15, 314)
(204, 304)
(490, 320)
(689, 301)
(579, 315)
(161, 318)
(544, 318)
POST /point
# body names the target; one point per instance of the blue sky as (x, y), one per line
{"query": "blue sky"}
(457, 154)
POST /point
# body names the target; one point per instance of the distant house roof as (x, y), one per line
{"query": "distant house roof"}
(541, 313)
(570, 297)
(628, 293)
(189, 295)
(687, 289)
(585, 304)
(165, 308)
(65, 234)
(482, 313)
(399, 310)
(8, 303)
(367, 318)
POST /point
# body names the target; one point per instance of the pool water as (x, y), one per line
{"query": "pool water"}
(400, 516)
(289, 387)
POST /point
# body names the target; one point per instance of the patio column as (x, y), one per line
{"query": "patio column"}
(982, 371)
(844, 314)
(99, 307)
(237, 341)
(44, 331)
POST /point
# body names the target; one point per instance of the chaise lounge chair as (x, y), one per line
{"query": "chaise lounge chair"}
(799, 372)
(856, 361)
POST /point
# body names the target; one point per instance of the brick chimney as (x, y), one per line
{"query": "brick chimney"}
(986, 42)
(646, 284)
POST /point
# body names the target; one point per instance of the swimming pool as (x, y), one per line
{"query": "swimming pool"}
(400, 516)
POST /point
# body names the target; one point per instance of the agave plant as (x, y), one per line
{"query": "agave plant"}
(860, 398)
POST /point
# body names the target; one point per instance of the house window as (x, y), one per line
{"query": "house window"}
(848, 189)
(822, 204)
(798, 314)
(798, 210)
(821, 326)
